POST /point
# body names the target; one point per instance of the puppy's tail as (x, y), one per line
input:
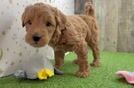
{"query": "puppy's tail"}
(89, 9)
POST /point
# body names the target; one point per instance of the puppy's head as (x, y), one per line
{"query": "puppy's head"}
(42, 23)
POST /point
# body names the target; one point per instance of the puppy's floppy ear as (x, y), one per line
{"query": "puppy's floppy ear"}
(23, 18)
(60, 19)
(60, 25)
(25, 14)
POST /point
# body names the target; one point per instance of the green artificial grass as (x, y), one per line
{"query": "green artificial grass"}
(102, 77)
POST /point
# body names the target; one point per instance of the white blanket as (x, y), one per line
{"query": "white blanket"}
(14, 52)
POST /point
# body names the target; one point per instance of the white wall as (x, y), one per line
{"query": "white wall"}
(67, 6)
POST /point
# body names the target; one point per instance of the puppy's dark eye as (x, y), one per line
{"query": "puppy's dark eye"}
(29, 22)
(48, 24)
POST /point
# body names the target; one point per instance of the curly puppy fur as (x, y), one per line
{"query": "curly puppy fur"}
(48, 25)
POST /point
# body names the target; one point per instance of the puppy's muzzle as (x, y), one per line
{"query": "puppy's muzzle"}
(36, 38)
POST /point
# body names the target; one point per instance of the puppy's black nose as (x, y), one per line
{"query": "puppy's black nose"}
(36, 38)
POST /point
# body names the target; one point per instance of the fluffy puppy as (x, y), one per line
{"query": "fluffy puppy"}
(48, 25)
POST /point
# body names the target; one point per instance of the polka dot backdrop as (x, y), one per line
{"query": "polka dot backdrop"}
(13, 49)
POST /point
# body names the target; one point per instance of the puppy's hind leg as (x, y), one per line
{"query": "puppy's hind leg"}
(96, 53)
(81, 50)
(93, 42)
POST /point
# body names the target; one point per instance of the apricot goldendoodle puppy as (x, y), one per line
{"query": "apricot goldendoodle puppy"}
(48, 25)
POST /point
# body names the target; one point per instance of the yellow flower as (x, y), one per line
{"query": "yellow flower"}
(49, 72)
(44, 73)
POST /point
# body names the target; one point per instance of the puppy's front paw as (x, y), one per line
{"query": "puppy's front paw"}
(82, 74)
